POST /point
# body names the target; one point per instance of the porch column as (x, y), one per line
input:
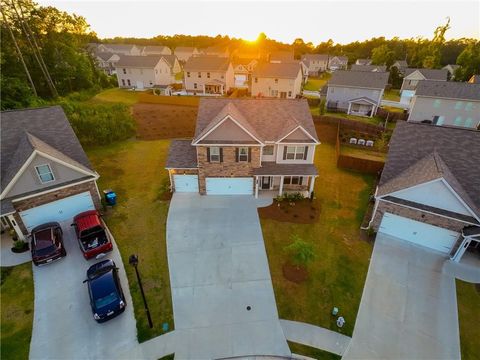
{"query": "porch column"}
(349, 107)
(373, 110)
(203, 89)
(170, 177)
(280, 190)
(256, 187)
(312, 183)
(221, 89)
(16, 227)
(461, 249)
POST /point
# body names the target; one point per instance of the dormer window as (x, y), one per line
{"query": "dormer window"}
(45, 173)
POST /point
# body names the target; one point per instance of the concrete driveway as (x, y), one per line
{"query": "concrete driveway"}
(218, 267)
(63, 326)
(408, 308)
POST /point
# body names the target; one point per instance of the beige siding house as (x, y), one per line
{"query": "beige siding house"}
(121, 49)
(315, 63)
(446, 103)
(205, 75)
(183, 53)
(278, 80)
(142, 72)
(156, 50)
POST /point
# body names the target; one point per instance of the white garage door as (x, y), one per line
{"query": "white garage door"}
(427, 235)
(186, 183)
(229, 186)
(60, 210)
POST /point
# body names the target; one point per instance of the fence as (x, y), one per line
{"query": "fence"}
(350, 124)
(391, 115)
(169, 100)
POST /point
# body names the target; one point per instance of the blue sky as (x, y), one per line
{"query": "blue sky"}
(315, 21)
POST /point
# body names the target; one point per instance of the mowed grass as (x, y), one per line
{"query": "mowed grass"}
(468, 300)
(117, 95)
(312, 352)
(315, 84)
(16, 311)
(364, 153)
(135, 171)
(392, 94)
(337, 275)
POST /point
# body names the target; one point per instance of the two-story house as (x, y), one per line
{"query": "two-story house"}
(363, 62)
(452, 69)
(446, 103)
(337, 63)
(401, 66)
(243, 69)
(142, 72)
(208, 75)
(106, 61)
(221, 51)
(414, 76)
(315, 63)
(45, 174)
(356, 92)
(121, 49)
(246, 146)
(281, 56)
(371, 68)
(279, 80)
(156, 50)
(183, 53)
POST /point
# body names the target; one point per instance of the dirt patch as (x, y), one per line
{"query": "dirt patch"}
(300, 212)
(294, 273)
(326, 132)
(156, 121)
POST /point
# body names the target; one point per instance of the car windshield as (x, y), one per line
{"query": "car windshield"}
(43, 242)
(106, 300)
(93, 237)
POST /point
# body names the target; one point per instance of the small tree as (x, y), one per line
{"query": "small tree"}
(302, 252)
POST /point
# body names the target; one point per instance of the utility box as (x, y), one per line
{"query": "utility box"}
(110, 197)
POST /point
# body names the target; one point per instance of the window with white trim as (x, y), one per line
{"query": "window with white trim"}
(214, 154)
(208, 75)
(292, 180)
(243, 154)
(295, 152)
(195, 85)
(268, 150)
(45, 173)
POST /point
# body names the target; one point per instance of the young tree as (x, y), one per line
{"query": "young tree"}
(432, 58)
(302, 252)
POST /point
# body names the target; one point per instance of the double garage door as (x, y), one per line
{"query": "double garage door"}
(60, 210)
(419, 233)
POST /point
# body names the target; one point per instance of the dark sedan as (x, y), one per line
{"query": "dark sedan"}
(47, 243)
(106, 295)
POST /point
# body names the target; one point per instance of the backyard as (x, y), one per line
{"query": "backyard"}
(315, 84)
(468, 299)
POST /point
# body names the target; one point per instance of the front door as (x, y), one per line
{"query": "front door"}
(283, 95)
(265, 182)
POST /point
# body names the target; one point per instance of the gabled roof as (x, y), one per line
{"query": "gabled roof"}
(318, 57)
(119, 47)
(185, 49)
(364, 61)
(475, 79)
(105, 56)
(44, 129)
(281, 55)
(149, 61)
(155, 48)
(277, 70)
(378, 68)
(207, 63)
(448, 89)
(181, 155)
(401, 63)
(363, 79)
(363, 99)
(429, 74)
(266, 119)
(339, 58)
(421, 152)
(170, 59)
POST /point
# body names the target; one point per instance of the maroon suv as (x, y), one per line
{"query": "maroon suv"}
(47, 243)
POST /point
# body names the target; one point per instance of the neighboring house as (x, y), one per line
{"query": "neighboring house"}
(414, 76)
(45, 174)
(246, 146)
(315, 63)
(277, 57)
(451, 68)
(221, 51)
(337, 63)
(475, 79)
(106, 61)
(401, 66)
(356, 92)
(280, 80)
(121, 49)
(363, 62)
(156, 50)
(143, 72)
(428, 193)
(208, 75)
(374, 68)
(183, 53)
(446, 103)
(243, 69)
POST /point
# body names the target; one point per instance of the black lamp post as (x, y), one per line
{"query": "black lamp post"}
(133, 260)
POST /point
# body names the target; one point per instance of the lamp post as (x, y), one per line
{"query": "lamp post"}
(133, 260)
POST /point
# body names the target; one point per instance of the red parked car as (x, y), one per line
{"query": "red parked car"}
(91, 234)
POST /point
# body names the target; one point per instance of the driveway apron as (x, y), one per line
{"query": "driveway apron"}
(63, 325)
(223, 299)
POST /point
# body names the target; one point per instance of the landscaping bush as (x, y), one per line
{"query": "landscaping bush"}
(99, 124)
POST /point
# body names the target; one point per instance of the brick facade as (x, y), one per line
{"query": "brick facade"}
(417, 215)
(229, 167)
(53, 196)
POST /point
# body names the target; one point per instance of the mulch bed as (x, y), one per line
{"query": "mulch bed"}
(296, 274)
(155, 121)
(299, 212)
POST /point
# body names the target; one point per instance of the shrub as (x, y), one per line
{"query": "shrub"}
(302, 252)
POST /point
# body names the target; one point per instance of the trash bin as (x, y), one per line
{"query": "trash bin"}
(110, 197)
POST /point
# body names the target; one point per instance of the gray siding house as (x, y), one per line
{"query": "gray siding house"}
(414, 76)
(371, 68)
(447, 103)
(356, 92)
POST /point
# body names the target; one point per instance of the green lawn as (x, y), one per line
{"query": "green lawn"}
(17, 311)
(468, 299)
(311, 352)
(375, 120)
(135, 170)
(315, 84)
(117, 95)
(392, 94)
(364, 153)
(338, 273)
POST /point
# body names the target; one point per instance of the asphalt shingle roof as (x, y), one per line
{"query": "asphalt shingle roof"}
(46, 129)
(429, 74)
(155, 48)
(207, 63)
(379, 68)
(448, 89)
(269, 119)
(277, 70)
(149, 61)
(181, 155)
(373, 80)
(423, 152)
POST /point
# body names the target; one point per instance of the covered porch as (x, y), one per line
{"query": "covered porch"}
(362, 107)
(214, 87)
(278, 179)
